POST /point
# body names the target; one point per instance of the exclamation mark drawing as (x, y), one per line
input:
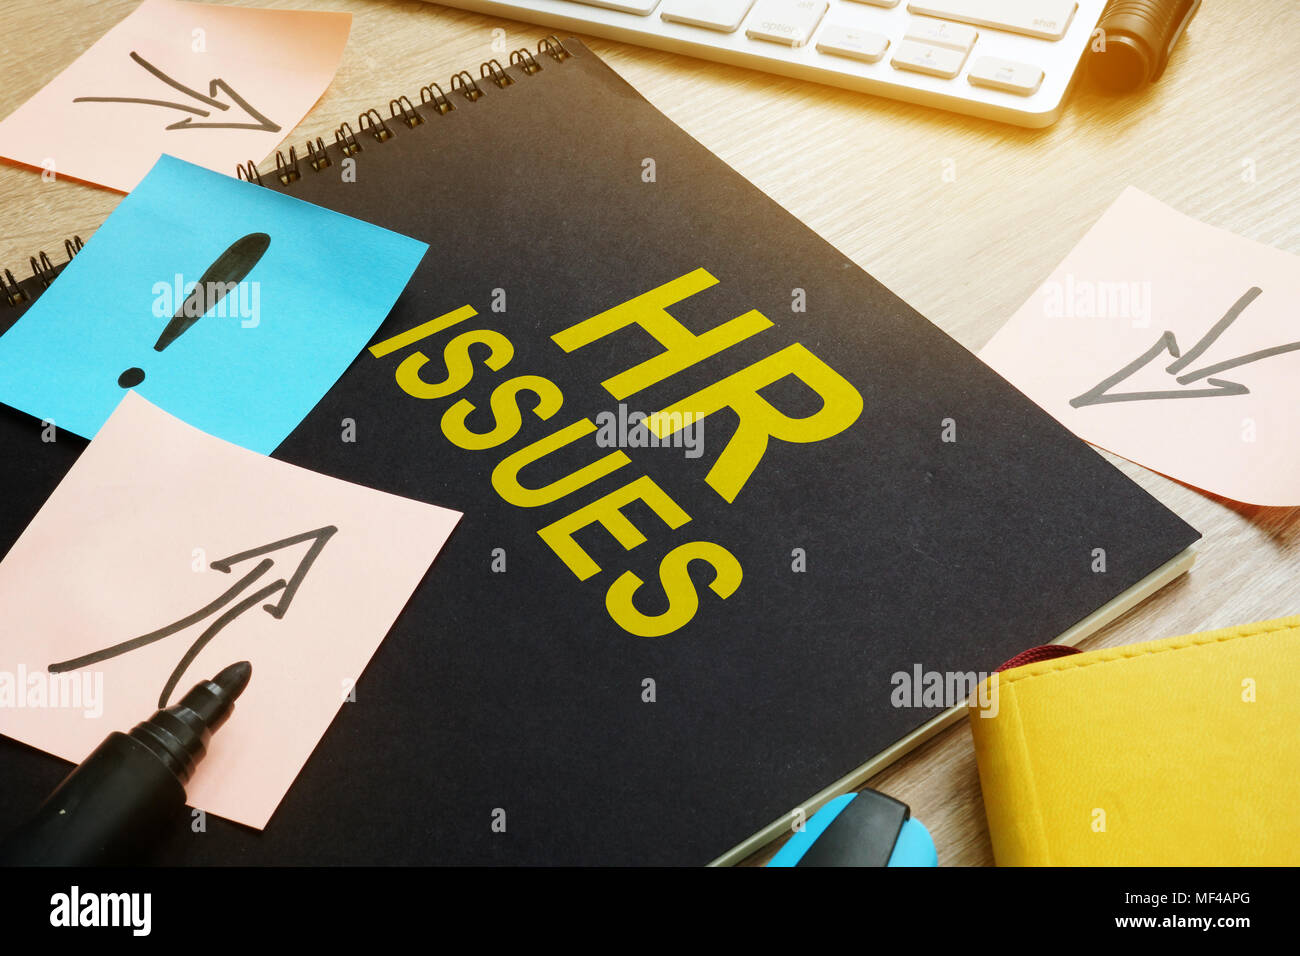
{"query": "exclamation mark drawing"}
(220, 278)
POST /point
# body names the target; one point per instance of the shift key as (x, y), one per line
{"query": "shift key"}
(1045, 19)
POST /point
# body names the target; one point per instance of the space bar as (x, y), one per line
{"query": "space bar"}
(1046, 19)
(642, 8)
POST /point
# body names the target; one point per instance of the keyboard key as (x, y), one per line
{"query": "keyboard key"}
(880, 3)
(642, 8)
(941, 33)
(919, 57)
(1046, 19)
(723, 15)
(790, 22)
(853, 43)
(1005, 75)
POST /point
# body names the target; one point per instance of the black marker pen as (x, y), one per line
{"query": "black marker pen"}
(116, 805)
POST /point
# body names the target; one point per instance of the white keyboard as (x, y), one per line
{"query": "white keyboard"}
(1007, 60)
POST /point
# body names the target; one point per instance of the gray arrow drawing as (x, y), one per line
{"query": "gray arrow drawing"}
(1101, 394)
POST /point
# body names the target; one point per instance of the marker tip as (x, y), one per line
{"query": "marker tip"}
(233, 679)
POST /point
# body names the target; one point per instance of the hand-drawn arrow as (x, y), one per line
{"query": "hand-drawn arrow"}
(289, 586)
(217, 85)
(1101, 394)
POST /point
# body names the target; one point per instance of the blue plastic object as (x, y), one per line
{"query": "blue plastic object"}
(914, 847)
(911, 842)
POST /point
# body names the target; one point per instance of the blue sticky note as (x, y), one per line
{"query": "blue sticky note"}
(229, 305)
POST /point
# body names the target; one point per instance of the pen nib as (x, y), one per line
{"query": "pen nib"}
(233, 679)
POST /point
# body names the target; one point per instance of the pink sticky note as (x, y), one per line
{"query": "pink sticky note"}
(1171, 343)
(136, 537)
(214, 85)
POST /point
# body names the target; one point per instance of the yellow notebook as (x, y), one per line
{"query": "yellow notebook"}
(1178, 752)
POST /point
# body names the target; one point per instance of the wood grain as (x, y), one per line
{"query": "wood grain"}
(868, 174)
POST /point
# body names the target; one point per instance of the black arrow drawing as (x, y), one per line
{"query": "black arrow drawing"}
(214, 87)
(277, 610)
(1101, 394)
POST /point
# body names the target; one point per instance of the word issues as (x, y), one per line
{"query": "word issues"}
(759, 422)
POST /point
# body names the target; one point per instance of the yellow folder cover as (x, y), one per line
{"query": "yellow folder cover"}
(1178, 752)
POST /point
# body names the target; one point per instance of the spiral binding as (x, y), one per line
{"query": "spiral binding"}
(410, 115)
(372, 126)
(463, 82)
(44, 271)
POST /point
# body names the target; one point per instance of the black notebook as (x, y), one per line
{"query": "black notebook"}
(651, 639)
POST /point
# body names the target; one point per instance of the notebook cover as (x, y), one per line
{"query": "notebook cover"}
(1180, 752)
(508, 718)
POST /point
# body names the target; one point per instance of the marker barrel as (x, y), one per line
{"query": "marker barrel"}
(109, 811)
(113, 809)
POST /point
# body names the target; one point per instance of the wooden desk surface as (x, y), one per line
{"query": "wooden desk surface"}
(1218, 138)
